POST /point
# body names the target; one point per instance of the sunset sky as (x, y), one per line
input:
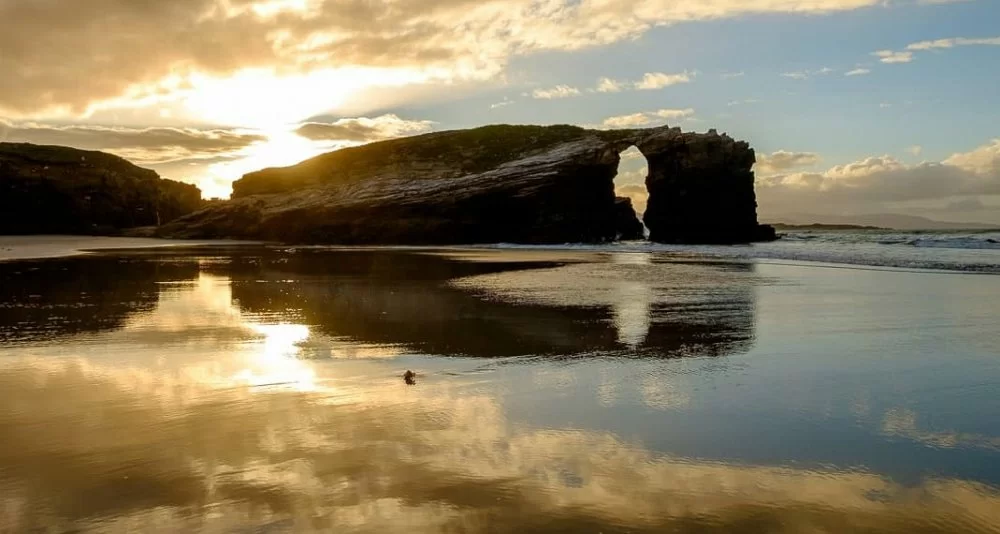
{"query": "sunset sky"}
(854, 106)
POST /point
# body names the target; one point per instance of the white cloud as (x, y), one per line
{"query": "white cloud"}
(951, 43)
(731, 75)
(797, 75)
(878, 182)
(805, 74)
(608, 85)
(906, 56)
(857, 72)
(62, 57)
(363, 129)
(628, 121)
(916, 150)
(659, 80)
(559, 91)
(646, 118)
(674, 113)
(783, 160)
(889, 56)
(144, 146)
(505, 102)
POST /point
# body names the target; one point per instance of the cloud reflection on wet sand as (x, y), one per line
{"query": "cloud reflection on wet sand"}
(111, 449)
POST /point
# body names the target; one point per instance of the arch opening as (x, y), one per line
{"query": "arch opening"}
(630, 183)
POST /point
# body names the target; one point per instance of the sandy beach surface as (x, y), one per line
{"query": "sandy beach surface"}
(54, 246)
(599, 390)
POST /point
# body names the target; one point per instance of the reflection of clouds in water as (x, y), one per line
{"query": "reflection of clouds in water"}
(901, 422)
(607, 390)
(430, 459)
(661, 393)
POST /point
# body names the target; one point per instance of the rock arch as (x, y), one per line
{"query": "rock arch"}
(700, 187)
(630, 193)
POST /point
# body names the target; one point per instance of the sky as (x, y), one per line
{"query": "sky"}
(853, 106)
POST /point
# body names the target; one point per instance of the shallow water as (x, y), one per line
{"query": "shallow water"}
(556, 390)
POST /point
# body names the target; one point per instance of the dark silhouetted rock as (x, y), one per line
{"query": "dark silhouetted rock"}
(52, 189)
(701, 189)
(629, 227)
(518, 184)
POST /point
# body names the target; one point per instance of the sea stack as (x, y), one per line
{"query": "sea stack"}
(495, 184)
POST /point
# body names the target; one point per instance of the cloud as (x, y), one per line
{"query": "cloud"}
(363, 129)
(798, 75)
(559, 91)
(782, 160)
(628, 121)
(608, 85)
(857, 72)
(873, 183)
(646, 118)
(805, 74)
(915, 150)
(731, 75)
(637, 193)
(67, 57)
(889, 56)
(141, 145)
(505, 102)
(745, 101)
(659, 80)
(952, 43)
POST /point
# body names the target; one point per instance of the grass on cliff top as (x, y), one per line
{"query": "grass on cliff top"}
(470, 151)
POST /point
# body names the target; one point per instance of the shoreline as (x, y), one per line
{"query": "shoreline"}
(38, 247)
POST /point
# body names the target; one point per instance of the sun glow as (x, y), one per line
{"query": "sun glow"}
(281, 149)
(268, 100)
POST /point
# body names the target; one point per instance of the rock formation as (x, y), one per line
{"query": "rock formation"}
(52, 189)
(519, 184)
(627, 225)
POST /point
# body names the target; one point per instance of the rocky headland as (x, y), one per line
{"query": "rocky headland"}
(60, 190)
(515, 184)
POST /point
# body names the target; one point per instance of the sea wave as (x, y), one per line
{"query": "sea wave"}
(954, 252)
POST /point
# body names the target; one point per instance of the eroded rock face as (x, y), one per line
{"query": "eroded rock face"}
(517, 184)
(53, 189)
(701, 189)
(628, 225)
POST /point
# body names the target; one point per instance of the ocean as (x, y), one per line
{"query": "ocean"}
(828, 382)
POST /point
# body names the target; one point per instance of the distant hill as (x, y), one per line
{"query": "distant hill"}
(54, 189)
(820, 226)
(880, 220)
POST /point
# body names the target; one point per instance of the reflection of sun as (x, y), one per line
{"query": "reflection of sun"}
(277, 360)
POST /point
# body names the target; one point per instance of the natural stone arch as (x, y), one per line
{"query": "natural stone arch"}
(630, 193)
(700, 187)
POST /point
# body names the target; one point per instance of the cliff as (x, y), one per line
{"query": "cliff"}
(52, 189)
(519, 184)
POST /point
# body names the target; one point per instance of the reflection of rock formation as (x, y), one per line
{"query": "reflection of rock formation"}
(47, 299)
(447, 306)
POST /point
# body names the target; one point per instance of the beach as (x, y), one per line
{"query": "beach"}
(611, 389)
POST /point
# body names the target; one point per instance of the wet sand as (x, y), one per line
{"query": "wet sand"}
(57, 246)
(571, 391)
